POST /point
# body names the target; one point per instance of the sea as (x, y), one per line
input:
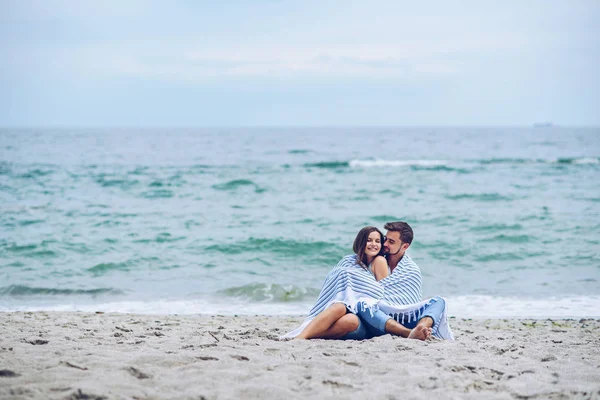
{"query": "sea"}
(229, 221)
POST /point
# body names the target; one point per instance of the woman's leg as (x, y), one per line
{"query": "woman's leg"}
(347, 327)
(324, 322)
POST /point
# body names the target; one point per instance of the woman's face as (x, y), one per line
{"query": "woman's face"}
(373, 244)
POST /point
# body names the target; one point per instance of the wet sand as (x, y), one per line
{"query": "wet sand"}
(64, 355)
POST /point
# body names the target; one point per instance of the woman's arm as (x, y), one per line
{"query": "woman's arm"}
(380, 268)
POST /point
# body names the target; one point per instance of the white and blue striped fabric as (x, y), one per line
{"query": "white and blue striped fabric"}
(398, 295)
(347, 283)
(403, 285)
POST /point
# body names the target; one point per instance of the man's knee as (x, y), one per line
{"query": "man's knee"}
(440, 301)
(436, 308)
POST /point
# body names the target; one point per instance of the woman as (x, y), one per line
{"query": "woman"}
(352, 305)
(349, 288)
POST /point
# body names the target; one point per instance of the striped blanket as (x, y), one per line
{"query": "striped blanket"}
(350, 284)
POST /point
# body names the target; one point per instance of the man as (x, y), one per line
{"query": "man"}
(402, 286)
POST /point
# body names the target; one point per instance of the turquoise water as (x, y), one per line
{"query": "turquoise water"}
(230, 221)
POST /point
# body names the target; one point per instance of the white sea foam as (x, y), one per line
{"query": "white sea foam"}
(170, 307)
(579, 160)
(512, 307)
(458, 306)
(453, 163)
(588, 160)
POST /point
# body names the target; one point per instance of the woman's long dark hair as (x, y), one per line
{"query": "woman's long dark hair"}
(360, 243)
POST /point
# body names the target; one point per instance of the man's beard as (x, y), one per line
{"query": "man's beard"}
(387, 252)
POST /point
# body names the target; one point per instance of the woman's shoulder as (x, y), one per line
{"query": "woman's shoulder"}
(379, 263)
(379, 260)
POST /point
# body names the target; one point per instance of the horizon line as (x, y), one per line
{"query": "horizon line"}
(540, 126)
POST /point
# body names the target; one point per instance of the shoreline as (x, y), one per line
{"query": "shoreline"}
(60, 355)
(468, 306)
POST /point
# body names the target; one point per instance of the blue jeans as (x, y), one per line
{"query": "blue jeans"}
(362, 332)
(374, 325)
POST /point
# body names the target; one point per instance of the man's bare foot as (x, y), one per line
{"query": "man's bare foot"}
(420, 332)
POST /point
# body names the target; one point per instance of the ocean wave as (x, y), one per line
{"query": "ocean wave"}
(111, 180)
(397, 163)
(511, 161)
(504, 256)
(328, 164)
(126, 266)
(496, 227)
(509, 238)
(299, 151)
(322, 252)
(437, 244)
(384, 218)
(159, 183)
(158, 194)
(583, 160)
(462, 166)
(479, 197)
(23, 290)
(441, 168)
(104, 268)
(28, 222)
(164, 237)
(571, 160)
(39, 250)
(271, 292)
(237, 184)
(35, 173)
(5, 168)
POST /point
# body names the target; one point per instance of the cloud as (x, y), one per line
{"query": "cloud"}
(470, 53)
(184, 43)
(73, 10)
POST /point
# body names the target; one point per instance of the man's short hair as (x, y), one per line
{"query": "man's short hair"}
(406, 232)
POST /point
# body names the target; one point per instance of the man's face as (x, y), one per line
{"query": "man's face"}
(393, 245)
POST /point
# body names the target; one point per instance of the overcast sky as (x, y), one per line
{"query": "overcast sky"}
(230, 63)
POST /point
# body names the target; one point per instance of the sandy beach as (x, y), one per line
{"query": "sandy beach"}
(122, 356)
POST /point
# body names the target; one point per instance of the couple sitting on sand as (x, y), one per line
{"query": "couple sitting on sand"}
(369, 295)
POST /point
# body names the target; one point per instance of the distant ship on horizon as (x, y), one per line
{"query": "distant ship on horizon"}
(543, 125)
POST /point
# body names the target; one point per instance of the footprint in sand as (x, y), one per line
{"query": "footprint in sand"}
(137, 373)
(37, 342)
(271, 352)
(79, 395)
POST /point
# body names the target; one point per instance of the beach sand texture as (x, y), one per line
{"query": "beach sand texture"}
(59, 355)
